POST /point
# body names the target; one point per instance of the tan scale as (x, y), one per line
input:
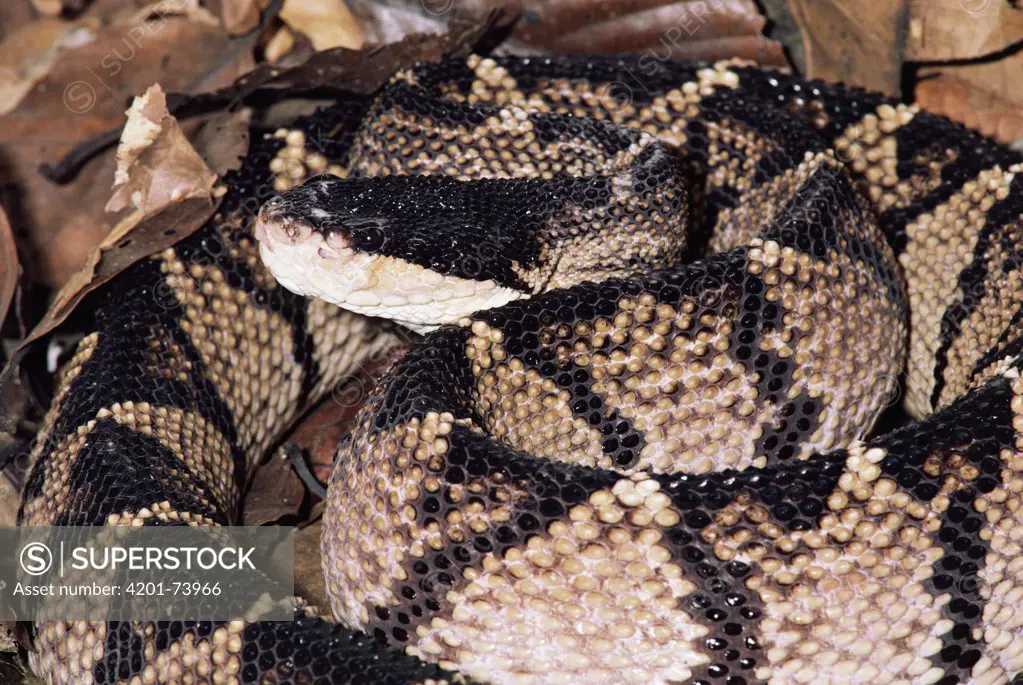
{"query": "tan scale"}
(871, 151)
(595, 598)
(341, 340)
(464, 152)
(37, 511)
(165, 358)
(607, 242)
(940, 245)
(296, 161)
(51, 504)
(379, 494)
(203, 449)
(239, 343)
(851, 371)
(695, 405)
(849, 605)
(1001, 577)
(760, 206)
(1000, 298)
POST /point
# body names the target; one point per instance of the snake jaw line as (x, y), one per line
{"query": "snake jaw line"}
(312, 262)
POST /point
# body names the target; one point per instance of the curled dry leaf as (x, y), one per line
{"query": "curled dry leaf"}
(84, 95)
(980, 83)
(239, 16)
(974, 106)
(662, 29)
(156, 165)
(860, 45)
(48, 8)
(10, 269)
(327, 23)
(944, 30)
(28, 55)
(169, 189)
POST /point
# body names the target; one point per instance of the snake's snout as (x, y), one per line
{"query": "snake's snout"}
(275, 227)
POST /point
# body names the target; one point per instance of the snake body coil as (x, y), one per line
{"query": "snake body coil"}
(647, 459)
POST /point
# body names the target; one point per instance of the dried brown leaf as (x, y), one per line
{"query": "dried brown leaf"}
(239, 16)
(14, 16)
(156, 165)
(983, 89)
(223, 140)
(48, 8)
(968, 103)
(663, 29)
(27, 55)
(852, 43)
(84, 94)
(10, 268)
(187, 9)
(327, 23)
(279, 45)
(943, 30)
(276, 492)
(686, 29)
(310, 583)
(320, 433)
(350, 71)
(133, 239)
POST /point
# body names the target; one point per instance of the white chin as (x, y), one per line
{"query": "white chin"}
(384, 287)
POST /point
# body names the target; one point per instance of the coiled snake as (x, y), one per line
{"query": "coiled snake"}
(640, 451)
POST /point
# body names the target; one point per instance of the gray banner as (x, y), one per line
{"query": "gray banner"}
(148, 573)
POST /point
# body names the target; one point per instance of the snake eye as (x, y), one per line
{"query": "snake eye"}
(367, 233)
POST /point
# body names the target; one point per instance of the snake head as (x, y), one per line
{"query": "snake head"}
(423, 251)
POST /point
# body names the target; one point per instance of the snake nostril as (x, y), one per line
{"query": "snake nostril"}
(295, 229)
(273, 225)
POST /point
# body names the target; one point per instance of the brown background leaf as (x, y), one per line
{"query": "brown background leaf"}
(943, 30)
(327, 23)
(85, 94)
(852, 43)
(276, 492)
(117, 251)
(156, 165)
(963, 58)
(686, 29)
(677, 29)
(10, 269)
(972, 104)
(984, 89)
